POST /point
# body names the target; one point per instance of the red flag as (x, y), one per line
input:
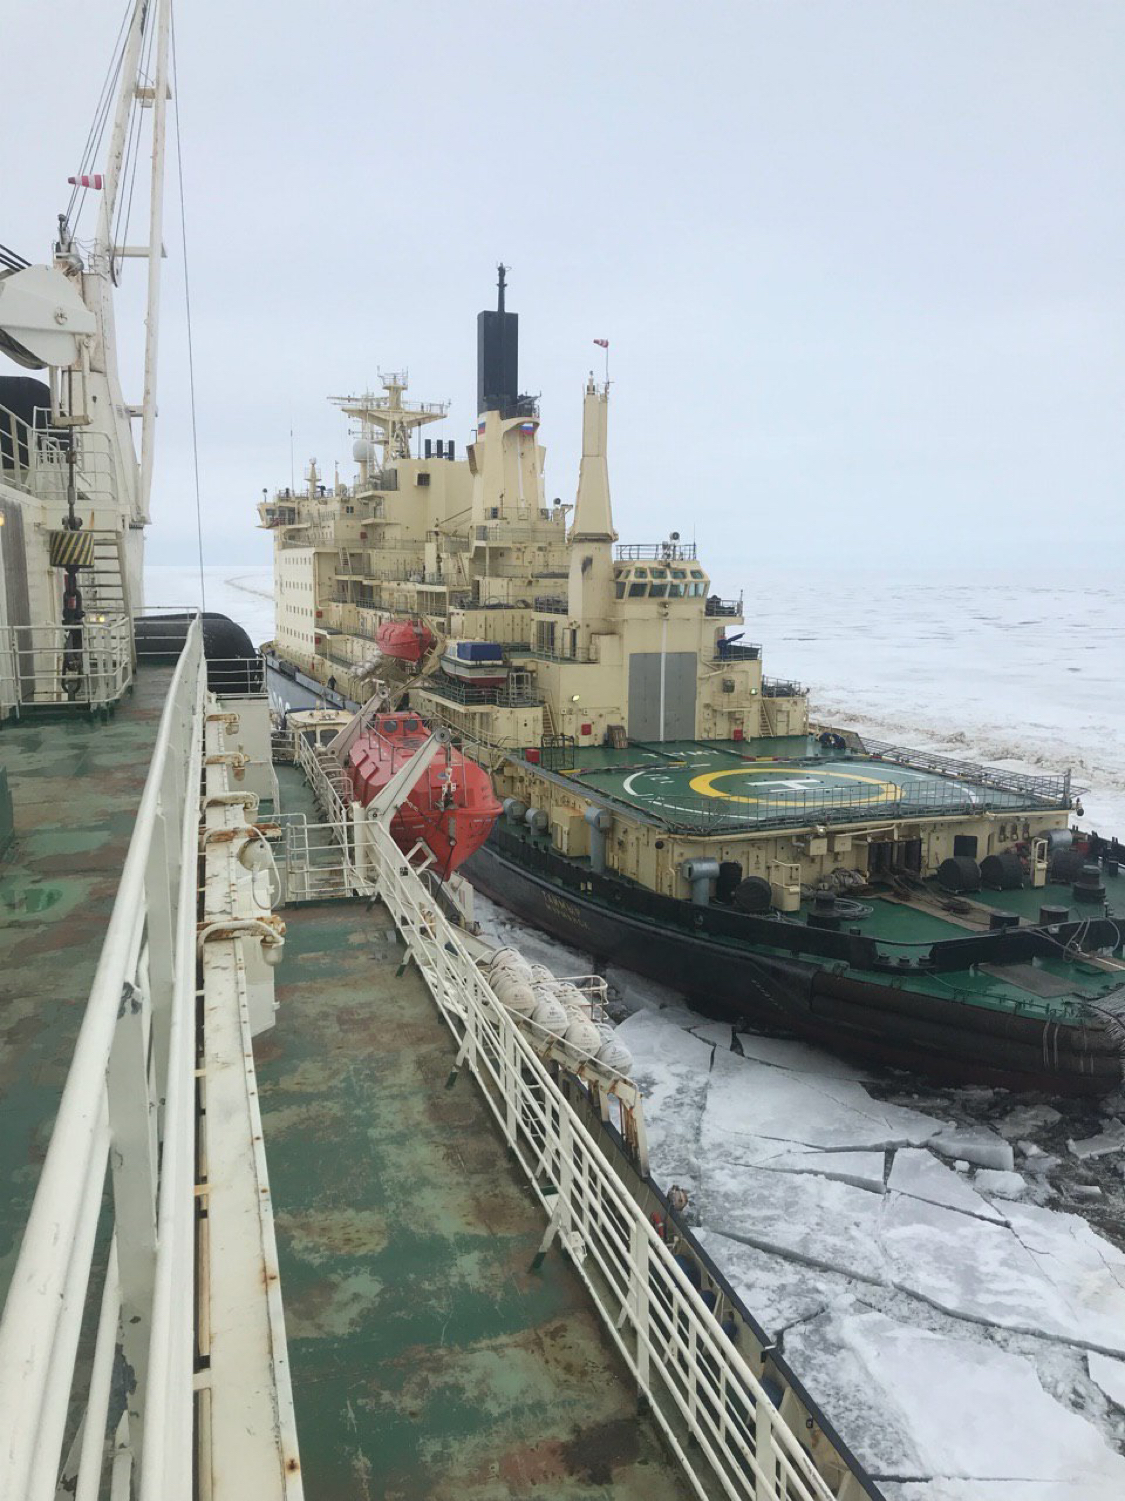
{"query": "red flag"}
(604, 343)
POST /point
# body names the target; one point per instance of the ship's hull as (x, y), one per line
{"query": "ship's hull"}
(289, 688)
(943, 1039)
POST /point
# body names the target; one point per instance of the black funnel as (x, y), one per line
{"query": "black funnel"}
(497, 356)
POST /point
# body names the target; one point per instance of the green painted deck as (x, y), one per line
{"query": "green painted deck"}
(75, 784)
(428, 1359)
(755, 783)
(1026, 903)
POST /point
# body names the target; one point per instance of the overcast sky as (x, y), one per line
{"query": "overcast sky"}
(861, 264)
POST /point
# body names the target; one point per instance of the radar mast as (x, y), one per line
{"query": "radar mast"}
(387, 420)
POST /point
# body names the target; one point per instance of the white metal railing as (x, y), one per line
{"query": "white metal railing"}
(313, 864)
(329, 792)
(34, 458)
(41, 665)
(130, 1089)
(713, 1410)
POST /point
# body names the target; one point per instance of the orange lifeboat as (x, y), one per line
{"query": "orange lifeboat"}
(404, 640)
(451, 807)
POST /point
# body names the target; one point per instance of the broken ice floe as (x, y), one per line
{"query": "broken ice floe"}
(920, 1174)
(815, 1220)
(924, 1404)
(977, 1145)
(798, 1057)
(788, 1168)
(670, 1067)
(946, 1489)
(748, 1099)
(1109, 1374)
(999, 1185)
(1111, 1139)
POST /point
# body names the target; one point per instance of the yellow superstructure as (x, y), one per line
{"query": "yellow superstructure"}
(626, 683)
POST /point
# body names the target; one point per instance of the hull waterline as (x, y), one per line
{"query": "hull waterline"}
(944, 1040)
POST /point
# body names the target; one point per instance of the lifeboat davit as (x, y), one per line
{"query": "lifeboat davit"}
(451, 807)
(405, 640)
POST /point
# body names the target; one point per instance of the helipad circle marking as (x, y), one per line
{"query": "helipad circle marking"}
(786, 777)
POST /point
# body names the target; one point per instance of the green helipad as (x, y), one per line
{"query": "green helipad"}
(749, 784)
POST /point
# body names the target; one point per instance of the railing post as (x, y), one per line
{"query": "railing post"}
(766, 1468)
(640, 1276)
(161, 887)
(511, 1082)
(132, 1124)
(359, 846)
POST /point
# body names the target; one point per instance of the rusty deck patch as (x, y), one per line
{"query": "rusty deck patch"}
(428, 1360)
(75, 784)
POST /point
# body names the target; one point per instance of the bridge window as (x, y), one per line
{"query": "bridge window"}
(637, 591)
(620, 587)
(658, 591)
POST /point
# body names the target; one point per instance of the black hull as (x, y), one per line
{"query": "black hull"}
(289, 688)
(947, 1041)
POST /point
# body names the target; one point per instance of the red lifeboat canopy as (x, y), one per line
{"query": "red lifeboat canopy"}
(405, 640)
(451, 808)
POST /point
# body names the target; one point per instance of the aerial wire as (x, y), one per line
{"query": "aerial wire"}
(187, 308)
(101, 114)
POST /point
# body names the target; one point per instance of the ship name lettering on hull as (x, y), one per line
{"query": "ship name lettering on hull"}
(566, 910)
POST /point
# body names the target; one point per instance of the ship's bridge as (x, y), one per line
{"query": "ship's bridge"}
(659, 581)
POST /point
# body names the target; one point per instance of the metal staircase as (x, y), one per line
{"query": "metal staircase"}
(104, 589)
(550, 723)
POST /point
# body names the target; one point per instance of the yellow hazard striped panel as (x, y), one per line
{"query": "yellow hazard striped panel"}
(72, 549)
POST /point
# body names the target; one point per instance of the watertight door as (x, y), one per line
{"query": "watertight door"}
(678, 695)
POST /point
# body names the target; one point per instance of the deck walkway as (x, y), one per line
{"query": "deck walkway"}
(428, 1360)
(76, 784)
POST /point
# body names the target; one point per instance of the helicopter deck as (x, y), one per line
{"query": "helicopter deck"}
(711, 785)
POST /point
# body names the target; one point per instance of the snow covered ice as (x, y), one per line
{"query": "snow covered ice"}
(918, 1304)
(919, 1175)
(927, 1404)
